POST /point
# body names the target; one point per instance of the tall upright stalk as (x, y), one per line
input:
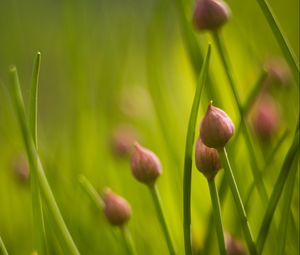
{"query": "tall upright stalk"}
(3, 250)
(34, 160)
(128, 240)
(217, 215)
(280, 37)
(162, 218)
(255, 172)
(190, 137)
(37, 207)
(238, 202)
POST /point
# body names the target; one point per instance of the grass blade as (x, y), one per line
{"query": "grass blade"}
(238, 202)
(276, 193)
(162, 218)
(217, 215)
(37, 209)
(280, 37)
(91, 192)
(3, 250)
(128, 240)
(37, 168)
(190, 137)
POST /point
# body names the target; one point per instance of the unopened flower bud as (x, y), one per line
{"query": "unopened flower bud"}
(234, 246)
(210, 14)
(207, 160)
(216, 128)
(116, 208)
(21, 168)
(266, 118)
(145, 165)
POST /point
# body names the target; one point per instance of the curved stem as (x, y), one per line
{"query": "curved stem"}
(2, 248)
(161, 216)
(217, 215)
(128, 240)
(280, 37)
(238, 202)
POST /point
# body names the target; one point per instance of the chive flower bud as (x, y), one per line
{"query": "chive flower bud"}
(216, 128)
(266, 118)
(116, 208)
(21, 168)
(234, 246)
(207, 160)
(210, 14)
(145, 165)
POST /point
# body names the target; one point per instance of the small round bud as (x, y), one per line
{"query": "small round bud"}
(21, 168)
(122, 140)
(234, 246)
(145, 165)
(207, 160)
(210, 14)
(216, 128)
(266, 118)
(116, 208)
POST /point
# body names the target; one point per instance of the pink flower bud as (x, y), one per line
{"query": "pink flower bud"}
(234, 246)
(266, 118)
(21, 168)
(216, 128)
(116, 208)
(145, 165)
(210, 14)
(207, 160)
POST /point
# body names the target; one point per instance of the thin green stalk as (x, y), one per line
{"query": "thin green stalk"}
(280, 37)
(276, 193)
(254, 92)
(128, 240)
(37, 209)
(190, 137)
(3, 250)
(217, 215)
(238, 202)
(286, 213)
(255, 169)
(209, 235)
(36, 164)
(162, 219)
(91, 192)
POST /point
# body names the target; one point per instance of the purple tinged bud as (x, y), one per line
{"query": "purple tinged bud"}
(207, 160)
(145, 165)
(234, 246)
(116, 208)
(216, 128)
(21, 168)
(210, 14)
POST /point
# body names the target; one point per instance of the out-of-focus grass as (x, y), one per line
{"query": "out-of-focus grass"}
(106, 63)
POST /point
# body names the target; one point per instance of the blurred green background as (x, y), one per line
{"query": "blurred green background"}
(110, 64)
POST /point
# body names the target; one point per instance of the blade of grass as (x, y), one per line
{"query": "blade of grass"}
(217, 215)
(253, 157)
(276, 193)
(280, 37)
(37, 209)
(238, 202)
(33, 157)
(190, 137)
(128, 240)
(162, 218)
(3, 250)
(286, 213)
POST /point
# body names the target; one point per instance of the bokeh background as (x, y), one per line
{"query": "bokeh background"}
(113, 68)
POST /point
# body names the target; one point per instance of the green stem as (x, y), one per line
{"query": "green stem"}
(217, 215)
(128, 240)
(255, 169)
(190, 137)
(3, 250)
(91, 192)
(161, 216)
(276, 193)
(286, 214)
(37, 167)
(280, 37)
(238, 202)
(37, 209)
